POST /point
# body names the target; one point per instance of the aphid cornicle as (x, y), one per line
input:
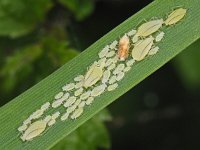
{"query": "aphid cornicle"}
(93, 75)
(175, 16)
(123, 49)
(142, 48)
(34, 130)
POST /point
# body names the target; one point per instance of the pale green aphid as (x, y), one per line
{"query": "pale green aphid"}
(34, 130)
(79, 85)
(93, 75)
(55, 115)
(65, 96)
(47, 118)
(135, 38)
(77, 102)
(71, 109)
(70, 101)
(79, 78)
(104, 52)
(149, 28)
(110, 54)
(130, 62)
(142, 48)
(109, 62)
(89, 101)
(159, 37)
(37, 114)
(45, 106)
(112, 87)
(102, 60)
(59, 95)
(126, 69)
(153, 51)
(78, 92)
(51, 122)
(106, 76)
(111, 67)
(112, 79)
(113, 44)
(64, 116)
(132, 32)
(68, 87)
(57, 103)
(98, 90)
(85, 95)
(77, 113)
(22, 128)
(118, 69)
(175, 16)
(120, 76)
(82, 104)
(27, 121)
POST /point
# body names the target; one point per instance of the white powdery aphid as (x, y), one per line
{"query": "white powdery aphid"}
(59, 95)
(112, 79)
(78, 92)
(175, 16)
(126, 69)
(130, 62)
(45, 106)
(79, 78)
(85, 95)
(109, 62)
(149, 28)
(142, 48)
(112, 87)
(64, 116)
(153, 51)
(111, 67)
(68, 87)
(70, 101)
(104, 52)
(113, 44)
(71, 108)
(47, 118)
(79, 85)
(77, 102)
(82, 104)
(159, 37)
(55, 115)
(106, 76)
(37, 114)
(93, 75)
(22, 128)
(57, 103)
(110, 54)
(98, 90)
(77, 113)
(119, 68)
(27, 121)
(34, 130)
(102, 60)
(132, 32)
(51, 122)
(89, 100)
(123, 50)
(65, 96)
(120, 76)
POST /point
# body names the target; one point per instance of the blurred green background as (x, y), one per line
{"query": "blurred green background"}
(39, 36)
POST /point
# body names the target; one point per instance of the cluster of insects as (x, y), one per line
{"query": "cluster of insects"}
(105, 74)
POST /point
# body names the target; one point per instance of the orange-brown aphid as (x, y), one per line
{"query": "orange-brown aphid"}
(123, 48)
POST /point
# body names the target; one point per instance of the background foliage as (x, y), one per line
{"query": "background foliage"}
(37, 37)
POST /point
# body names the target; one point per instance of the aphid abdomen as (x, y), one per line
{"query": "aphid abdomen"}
(142, 48)
(77, 113)
(175, 16)
(149, 28)
(123, 48)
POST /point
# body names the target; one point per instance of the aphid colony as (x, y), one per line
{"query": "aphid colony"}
(105, 74)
